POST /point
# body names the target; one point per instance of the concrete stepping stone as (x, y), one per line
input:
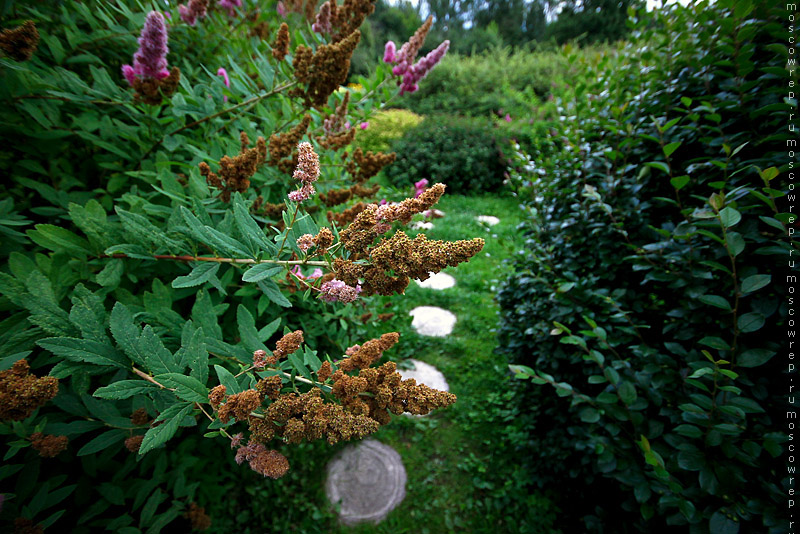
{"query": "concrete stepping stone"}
(368, 480)
(421, 225)
(432, 321)
(438, 281)
(425, 373)
(491, 220)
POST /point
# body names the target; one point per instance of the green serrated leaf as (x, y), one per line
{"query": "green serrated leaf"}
(103, 441)
(84, 350)
(201, 273)
(186, 387)
(157, 358)
(228, 380)
(58, 239)
(158, 435)
(247, 330)
(124, 389)
(261, 271)
(274, 294)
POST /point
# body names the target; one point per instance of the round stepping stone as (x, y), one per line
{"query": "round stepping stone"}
(425, 373)
(438, 281)
(491, 220)
(368, 480)
(421, 225)
(432, 321)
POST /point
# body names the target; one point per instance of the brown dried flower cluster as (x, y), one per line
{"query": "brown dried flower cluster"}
(281, 45)
(198, 517)
(339, 140)
(140, 417)
(387, 392)
(47, 445)
(334, 197)
(335, 123)
(364, 166)
(368, 353)
(216, 395)
(304, 7)
(266, 462)
(347, 216)
(239, 405)
(307, 417)
(152, 91)
(415, 258)
(235, 173)
(20, 43)
(273, 211)
(21, 392)
(283, 145)
(348, 18)
(288, 344)
(133, 443)
(323, 239)
(269, 387)
(325, 70)
(375, 220)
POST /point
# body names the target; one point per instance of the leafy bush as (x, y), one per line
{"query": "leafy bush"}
(647, 296)
(385, 126)
(462, 153)
(155, 276)
(497, 81)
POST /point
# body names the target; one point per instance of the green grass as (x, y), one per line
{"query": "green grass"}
(452, 456)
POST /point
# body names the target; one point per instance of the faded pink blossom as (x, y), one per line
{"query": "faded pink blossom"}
(322, 24)
(389, 52)
(281, 9)
(230, 6)
(222, 72)
(507, 118)
(150, 60)
(364, 125)
(336, 290)
(236, 440)
(419, 187)
(307, 172)
(420, 70)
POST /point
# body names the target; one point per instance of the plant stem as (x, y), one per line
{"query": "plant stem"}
(150, 379)
(245, 261)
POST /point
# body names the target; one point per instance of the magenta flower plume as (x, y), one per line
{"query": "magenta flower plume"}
(421, 69)
(338, 291)
(389, 52)
(364, 125)
(230, 6)
(195, 9)
(150, 61)
(322, 24)
(224, 73)
(307, 172)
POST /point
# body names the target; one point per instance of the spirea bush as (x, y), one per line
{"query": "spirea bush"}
(386, 126)
(179, 288)
(651, 295)
(461, 152)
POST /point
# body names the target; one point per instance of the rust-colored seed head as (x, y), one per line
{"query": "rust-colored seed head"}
(133, 443)
(48, 446)
(281, 45)
(323, 239)
(20, 43)
(140, 417)
(235, 173)
(216, 395)
(239, 406)
(152, 90)
(288, 344)
(21, 392)
(198, 517)
(324, 371)
(269, 387)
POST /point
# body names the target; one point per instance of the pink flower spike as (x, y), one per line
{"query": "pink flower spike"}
(222, 72)
(129, 74)
(168, 15)
(230, 6)
(316, 274)
(281, 9)
(507, 118)
(364, 125)
(150, 61)
(389, 52)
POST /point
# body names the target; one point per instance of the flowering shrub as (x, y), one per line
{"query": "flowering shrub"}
(171, 273)
(648, 298)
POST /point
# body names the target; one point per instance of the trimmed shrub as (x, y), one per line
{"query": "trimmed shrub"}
(385, 127)
(462, 153)
(648, 296)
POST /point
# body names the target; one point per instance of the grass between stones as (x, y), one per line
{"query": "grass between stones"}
(460, 462)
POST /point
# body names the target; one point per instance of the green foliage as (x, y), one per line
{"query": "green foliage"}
(127, 276)
(646, 296)
(497, 81)
(386, 126)
(457, 152)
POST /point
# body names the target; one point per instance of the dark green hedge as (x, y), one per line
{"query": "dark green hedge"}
(649, 295)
